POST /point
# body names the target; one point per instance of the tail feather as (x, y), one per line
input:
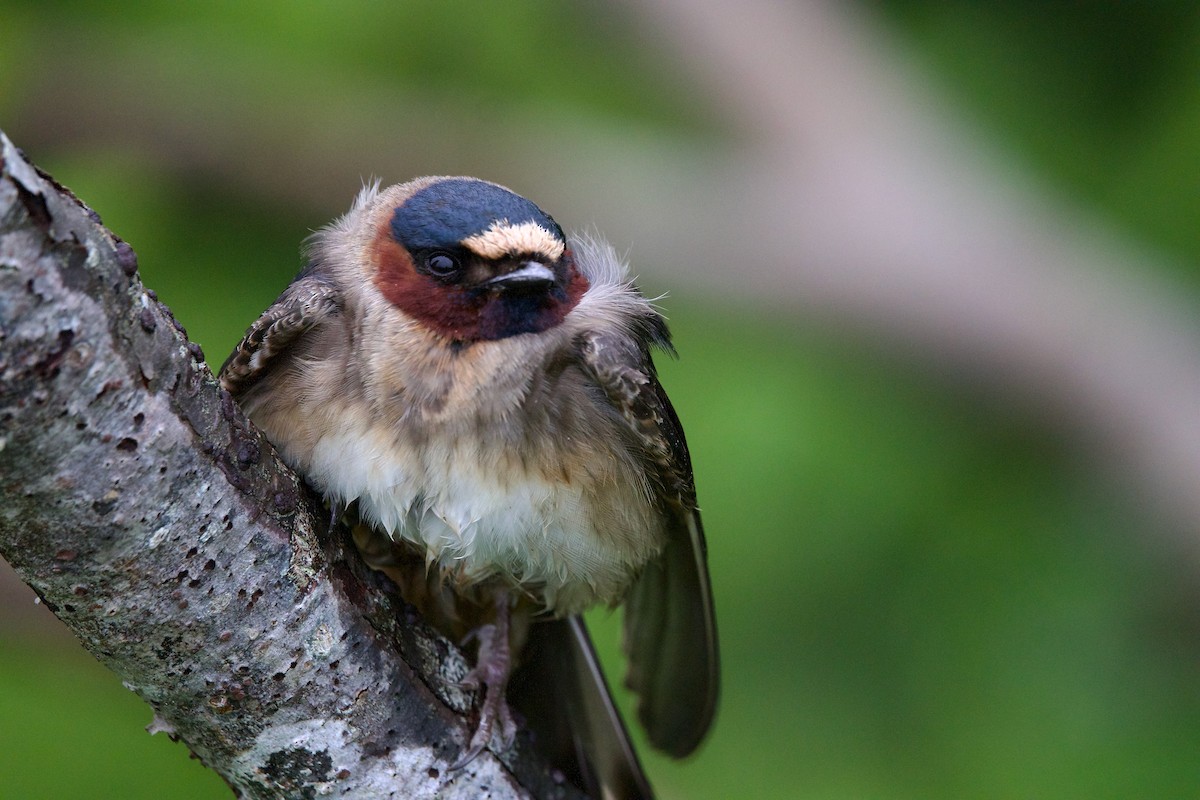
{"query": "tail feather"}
(562, 693)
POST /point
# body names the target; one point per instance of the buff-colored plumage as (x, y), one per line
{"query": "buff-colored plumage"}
(548, 463)
(481, 457)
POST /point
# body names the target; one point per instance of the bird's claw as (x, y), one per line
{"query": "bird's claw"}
(490, 673)
(494, 720)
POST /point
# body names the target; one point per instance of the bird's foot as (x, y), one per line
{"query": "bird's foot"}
(490, 673)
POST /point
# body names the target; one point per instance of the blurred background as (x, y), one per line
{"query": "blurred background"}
(934, 276)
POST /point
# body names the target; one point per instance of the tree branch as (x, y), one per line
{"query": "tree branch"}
(158, 524)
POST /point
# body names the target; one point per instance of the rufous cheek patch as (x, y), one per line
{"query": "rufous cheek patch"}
(447, 310)
(395, 275)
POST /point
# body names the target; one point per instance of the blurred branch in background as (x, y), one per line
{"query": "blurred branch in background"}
(847, 199)
(859, 202)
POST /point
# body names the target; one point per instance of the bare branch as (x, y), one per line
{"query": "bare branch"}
(159, 525)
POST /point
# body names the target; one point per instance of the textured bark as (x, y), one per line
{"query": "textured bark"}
(158, 524)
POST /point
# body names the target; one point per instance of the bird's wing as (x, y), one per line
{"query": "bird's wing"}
(308, 301)
(561, 690)
(670, 626)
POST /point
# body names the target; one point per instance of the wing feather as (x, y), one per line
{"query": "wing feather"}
(670, 625)
(308, 301)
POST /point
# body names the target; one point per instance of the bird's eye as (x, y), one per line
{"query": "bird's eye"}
(443, 265)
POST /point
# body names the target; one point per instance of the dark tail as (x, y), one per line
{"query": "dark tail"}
(562, 693)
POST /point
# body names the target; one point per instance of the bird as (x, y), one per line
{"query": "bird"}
(476, 390)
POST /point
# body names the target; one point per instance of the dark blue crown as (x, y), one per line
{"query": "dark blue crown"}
(445, 213)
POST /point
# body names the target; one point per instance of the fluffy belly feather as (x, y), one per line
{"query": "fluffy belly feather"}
(573, 530)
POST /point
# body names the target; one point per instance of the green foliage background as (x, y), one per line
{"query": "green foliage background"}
(925, 589)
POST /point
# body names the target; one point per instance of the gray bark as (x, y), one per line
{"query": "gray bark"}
(158, 524)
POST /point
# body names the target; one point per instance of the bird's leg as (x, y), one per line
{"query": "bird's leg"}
(492, 665)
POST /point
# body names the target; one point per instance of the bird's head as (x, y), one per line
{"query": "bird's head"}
(469, 260)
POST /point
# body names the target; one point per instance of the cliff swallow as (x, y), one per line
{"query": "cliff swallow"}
(478, 389)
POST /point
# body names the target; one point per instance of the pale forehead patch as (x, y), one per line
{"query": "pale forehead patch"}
(525, 238)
